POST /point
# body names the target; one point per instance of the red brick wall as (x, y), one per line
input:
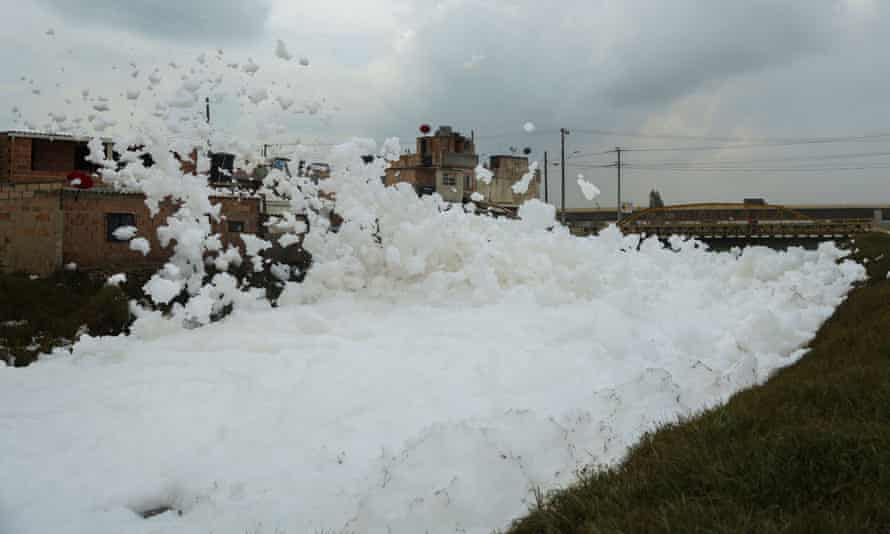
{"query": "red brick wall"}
(52, 156)
(52, 161)
(20, 154)
(30, 231)
(86, 244)
(41, 160)
(4, 158)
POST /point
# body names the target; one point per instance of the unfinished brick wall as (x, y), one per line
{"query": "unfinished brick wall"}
(41, 160)
(31, 230)
(4, 158)
(52, 161)
(86, 239)
(52, 156)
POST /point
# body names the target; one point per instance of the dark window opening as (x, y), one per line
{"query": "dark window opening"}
(236, 227)
(147, 160)
(81, 152)
(221, 167)
(113, 221)
(466, 181)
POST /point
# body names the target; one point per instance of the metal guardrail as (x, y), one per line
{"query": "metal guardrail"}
(784, 229)
(748, 221)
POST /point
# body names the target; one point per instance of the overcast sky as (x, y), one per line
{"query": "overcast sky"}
(678, 74)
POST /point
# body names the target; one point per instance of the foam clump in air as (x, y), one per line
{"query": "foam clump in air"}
(589, 190)
(116, 279)
(484, 175)
(282, 52)
(124, 233)
(250, 68)
(140, 244)
(521, 186)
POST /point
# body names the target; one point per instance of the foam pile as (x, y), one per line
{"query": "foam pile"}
(433, 370)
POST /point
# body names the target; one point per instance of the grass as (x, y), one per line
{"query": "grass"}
(37, 315)
(809, 451)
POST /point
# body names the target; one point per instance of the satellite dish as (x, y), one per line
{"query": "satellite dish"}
(527, 150)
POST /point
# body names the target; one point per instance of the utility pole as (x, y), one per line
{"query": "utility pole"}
(618, 165)
(207, 108)
(546, 196)
(562, 138)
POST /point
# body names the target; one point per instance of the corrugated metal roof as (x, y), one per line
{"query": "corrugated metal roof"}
(52, 136)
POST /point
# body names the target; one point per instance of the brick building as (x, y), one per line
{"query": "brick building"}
(92, 216)
(44, 224)
(444, 163)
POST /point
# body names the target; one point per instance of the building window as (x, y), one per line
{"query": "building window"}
(113, 221)
(466, 181)
(448, 179)
(222, 166)
(236, 227)
(81, 152)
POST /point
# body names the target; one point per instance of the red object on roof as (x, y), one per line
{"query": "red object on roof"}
(80, 180)
(425, 129)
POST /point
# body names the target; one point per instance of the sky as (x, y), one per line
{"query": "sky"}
(709, 99)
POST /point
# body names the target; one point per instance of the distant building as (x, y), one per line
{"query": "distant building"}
(444, 163)
(655, 200)
(508, 170)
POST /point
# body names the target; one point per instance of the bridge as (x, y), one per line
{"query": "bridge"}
(739, 221)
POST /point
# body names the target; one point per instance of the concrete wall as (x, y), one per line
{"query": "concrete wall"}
(507, 171)
(86, 240)
(418, 177)
(454, 192)
(30, 230)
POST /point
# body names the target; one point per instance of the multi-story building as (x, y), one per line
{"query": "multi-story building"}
(444, 163)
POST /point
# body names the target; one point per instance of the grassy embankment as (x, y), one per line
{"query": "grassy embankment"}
(809, 451)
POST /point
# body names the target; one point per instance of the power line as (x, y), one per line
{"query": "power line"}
(756, 169)
(761, 145)
(749, 162)
(750, 140)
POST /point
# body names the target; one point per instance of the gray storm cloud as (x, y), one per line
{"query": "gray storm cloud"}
(189, 20)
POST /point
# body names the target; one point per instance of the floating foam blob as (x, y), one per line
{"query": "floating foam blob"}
(281, 51)
(589, 190)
